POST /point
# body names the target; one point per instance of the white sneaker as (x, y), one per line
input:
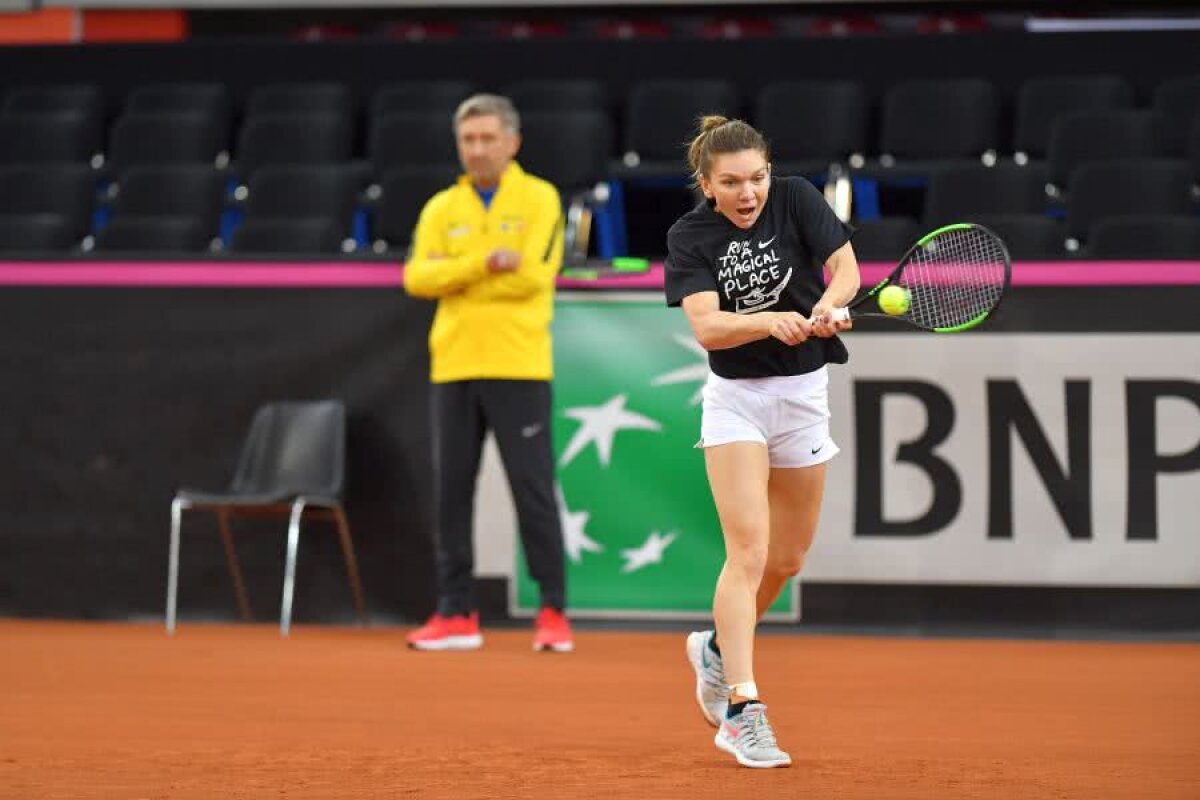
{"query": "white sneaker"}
(748, 738)
(712, 695)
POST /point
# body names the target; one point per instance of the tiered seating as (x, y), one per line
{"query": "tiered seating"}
(181, 164)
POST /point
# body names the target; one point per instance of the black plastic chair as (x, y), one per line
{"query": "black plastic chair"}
(403, 192)
(1176, 103)
(65, 190)
(1027, 236)
(34, 233)
(327, 191)
(144, 138)
(960, 193)
(302, 236)
(411, 138)
(440, 96)
(300, 98)
(885, 239)
(570, 149)
(1041, 101)
(1122, 188)
(208, 99)
(1088, 137)
(292, 460)
(82, 100)
(153, 235)
(661, 115)
(938, 120)
(1145, 236)
(48, 138)
(558, 95)
(811, 124)
(292, 139)
(196, 192)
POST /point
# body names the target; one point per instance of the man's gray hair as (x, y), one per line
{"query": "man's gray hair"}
(479, 105)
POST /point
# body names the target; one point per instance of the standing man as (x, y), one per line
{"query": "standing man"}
(488, 249)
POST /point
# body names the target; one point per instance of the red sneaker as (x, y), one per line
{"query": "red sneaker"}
(551, 631)
(448, 633)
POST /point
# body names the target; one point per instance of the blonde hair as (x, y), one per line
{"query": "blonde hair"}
(481, 105)
(719, 135)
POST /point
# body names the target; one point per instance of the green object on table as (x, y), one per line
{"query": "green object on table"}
(581, 274)
(630, 264)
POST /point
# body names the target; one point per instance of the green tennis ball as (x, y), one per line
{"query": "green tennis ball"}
(894, 300)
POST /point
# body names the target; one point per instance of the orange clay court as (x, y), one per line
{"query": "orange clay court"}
(104, 710)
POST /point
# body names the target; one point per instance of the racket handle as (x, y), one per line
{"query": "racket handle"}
(841, 314)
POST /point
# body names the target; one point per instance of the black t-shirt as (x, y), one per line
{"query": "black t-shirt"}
(775, 265)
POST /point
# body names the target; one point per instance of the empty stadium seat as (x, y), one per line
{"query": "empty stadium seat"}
(1175, 104)
(167, 138)
(557, 95)
(64, 190)
(1041, 101)
(208, 99)
(34, 234)
(403, 192)
(1121, 188)
(292, 139)
(660, 116)
(287, 237)
(1145, 236)
(300, 98)
(1085, 137)
(48, 138)
(884, 239)
(785, 112)
(194, 192)
(568, 148)
(938, 120)
(411, 138)
(153, 235)
(84, 100)
(1027, 236)
(441, 96)
(1193, 149)
(290, 192)
(961, 193)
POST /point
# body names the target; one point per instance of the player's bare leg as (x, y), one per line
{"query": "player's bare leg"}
(738, 473)
(795, 496)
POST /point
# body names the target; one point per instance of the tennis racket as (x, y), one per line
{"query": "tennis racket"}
(953, 279)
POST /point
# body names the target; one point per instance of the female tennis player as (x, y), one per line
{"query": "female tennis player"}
(747, 266)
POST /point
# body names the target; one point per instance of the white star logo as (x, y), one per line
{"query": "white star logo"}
(600, 425)
(575, 538)
(651, 552)
(690, 373)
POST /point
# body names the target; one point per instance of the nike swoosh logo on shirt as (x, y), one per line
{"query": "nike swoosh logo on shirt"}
(761, 245)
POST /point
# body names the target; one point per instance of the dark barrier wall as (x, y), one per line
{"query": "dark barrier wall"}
(114, 398)
(1004, 58)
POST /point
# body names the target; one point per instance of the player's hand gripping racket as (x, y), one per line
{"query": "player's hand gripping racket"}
(951, 280)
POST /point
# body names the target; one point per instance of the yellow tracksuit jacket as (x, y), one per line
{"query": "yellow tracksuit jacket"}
(489, 325)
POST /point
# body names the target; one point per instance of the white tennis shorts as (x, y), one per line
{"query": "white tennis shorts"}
(788, 413)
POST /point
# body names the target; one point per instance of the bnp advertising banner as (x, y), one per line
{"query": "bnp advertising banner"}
(987, 458)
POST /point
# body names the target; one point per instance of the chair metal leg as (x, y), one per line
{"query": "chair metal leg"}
(173, 564)
(351, 563)
(289, 567)
(235, 569)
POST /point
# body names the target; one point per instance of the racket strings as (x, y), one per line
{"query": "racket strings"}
(958, 276)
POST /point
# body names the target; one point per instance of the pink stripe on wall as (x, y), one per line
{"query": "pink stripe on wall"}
(233, 274)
